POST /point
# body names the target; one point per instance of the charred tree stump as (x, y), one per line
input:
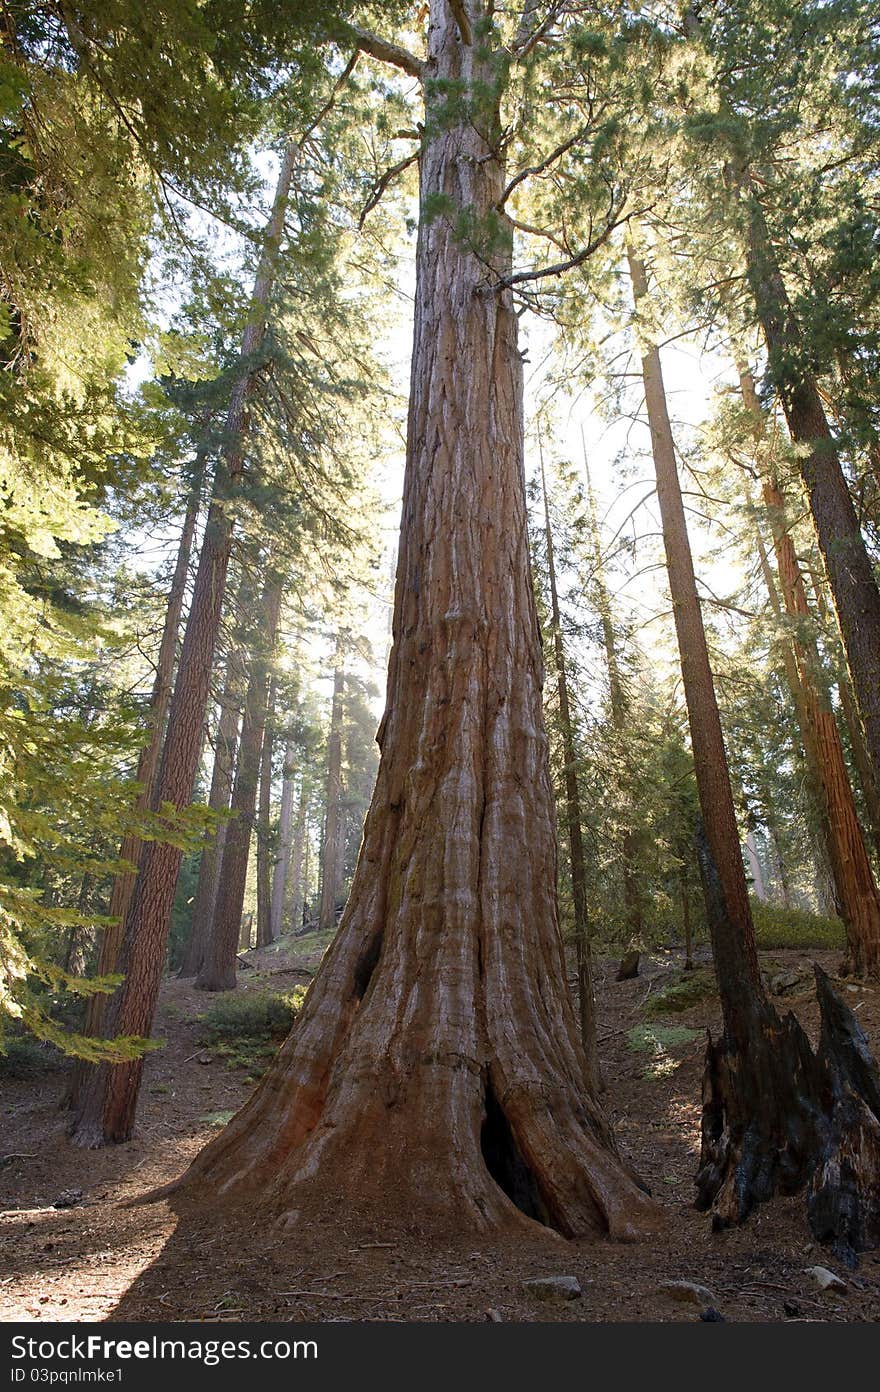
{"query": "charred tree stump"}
(843, 1204)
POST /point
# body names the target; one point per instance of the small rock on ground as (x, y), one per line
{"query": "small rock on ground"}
(825, 1279)
(688, 1292)
(553, 1287)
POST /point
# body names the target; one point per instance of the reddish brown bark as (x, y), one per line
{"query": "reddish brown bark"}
(817, 812)
(848, 566)
(148, 760)
(853, 877)
(218, 969)
(853, 724)
(435, 1073)
(132, 847)
(109, 1099)
(574, 823)
(777, 1118)
(751, 1145)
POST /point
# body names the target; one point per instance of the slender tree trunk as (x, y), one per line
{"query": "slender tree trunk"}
(148, 761)
(285, 841)
(78, 937)
(435, 1071)
(850, 865)
(586, 994)
(132, 847)
(852, 720)
(817, 817)
(219, 797)
(295, 891)
(618, 703)
(307, 867)
(106, 1110)
(330, 849)
(862, 761)
(755, 867)
(847, 563)
(776, 1117)
(217, 972)
(686, 923)
(264, 852)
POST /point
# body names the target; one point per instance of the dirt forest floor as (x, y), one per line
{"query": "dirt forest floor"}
(100, 1259)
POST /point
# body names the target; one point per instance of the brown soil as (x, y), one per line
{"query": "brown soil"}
(106, 1259)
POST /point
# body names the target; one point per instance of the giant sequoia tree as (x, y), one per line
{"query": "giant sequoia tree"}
(436, 1065)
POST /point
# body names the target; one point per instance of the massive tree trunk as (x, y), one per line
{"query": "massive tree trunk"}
(109, 1099)
(850, 866)
(264, 850)
(435, 1074)
(776, 1117)
(847, 563)
(332, 800)
(586, 994)
(217, 972)
(285, 842)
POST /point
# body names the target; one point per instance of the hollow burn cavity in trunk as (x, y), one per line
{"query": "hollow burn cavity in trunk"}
(505, 1162)
(366, 965)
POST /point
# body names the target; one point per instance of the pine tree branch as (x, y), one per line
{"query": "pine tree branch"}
(559, 267)
(382, 183)
(535, 169)
(387, 52)
(525, 45)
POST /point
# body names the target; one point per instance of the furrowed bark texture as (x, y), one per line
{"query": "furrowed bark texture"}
(435, 1073)
(109, 1096)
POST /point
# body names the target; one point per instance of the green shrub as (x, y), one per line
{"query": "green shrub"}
(687, 989)
(251, 1014)
(22, 1054)
(776, 926)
